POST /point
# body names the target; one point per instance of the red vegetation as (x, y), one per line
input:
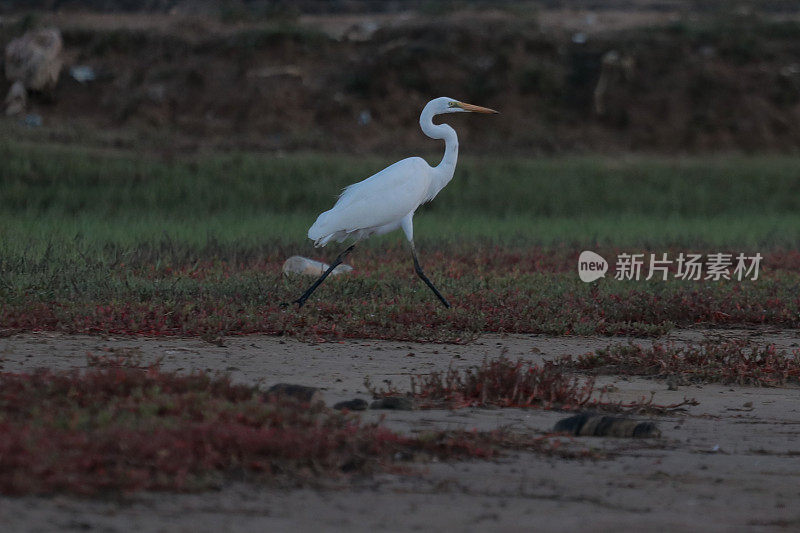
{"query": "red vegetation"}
(493, 289)
(733, 361)
(506, 383)
(120, 428)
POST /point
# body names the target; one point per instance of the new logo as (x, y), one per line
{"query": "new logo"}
(591, 266)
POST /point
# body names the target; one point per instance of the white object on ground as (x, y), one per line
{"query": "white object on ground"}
(82, 73)
(303, 265)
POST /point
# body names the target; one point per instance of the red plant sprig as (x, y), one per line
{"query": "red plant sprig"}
(505, 383)
(730, 361)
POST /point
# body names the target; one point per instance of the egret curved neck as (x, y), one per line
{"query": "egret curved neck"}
(445, 169)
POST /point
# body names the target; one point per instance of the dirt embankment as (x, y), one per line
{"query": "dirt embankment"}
(565, 80)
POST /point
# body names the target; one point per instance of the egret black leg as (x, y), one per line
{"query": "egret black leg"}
(302, 300)
(423, 277)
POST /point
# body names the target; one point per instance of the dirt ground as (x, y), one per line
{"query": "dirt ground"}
(729, 463)
(572, 77)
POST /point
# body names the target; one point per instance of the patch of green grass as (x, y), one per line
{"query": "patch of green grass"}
(255, 234)
(98, 241)
(52, 193)
(71, 180)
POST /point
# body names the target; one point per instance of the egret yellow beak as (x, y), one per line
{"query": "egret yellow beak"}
(476, 108)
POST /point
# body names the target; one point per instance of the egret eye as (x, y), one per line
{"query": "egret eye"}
(451, 104)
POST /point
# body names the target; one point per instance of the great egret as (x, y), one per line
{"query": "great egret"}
(387, 200)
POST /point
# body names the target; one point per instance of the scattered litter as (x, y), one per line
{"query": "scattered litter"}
(82, 73)
(302, 265)
(32, 121)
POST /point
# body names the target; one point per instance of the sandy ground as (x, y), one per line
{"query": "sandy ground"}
(730, 463)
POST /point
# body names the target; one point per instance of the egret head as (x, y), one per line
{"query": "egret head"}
(442, 105)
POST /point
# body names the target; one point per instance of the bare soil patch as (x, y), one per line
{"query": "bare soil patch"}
(729, 462)
(654, 78)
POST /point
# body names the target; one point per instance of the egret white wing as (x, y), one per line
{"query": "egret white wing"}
(381, 199)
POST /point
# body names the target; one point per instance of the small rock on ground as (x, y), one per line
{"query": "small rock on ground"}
(300, 393)
(591, 425)
(352, 405)
(397, 403)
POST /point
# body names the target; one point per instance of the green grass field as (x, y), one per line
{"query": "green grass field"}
(53, 194)
(87, 236)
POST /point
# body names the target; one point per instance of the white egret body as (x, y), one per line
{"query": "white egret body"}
(386, 201)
